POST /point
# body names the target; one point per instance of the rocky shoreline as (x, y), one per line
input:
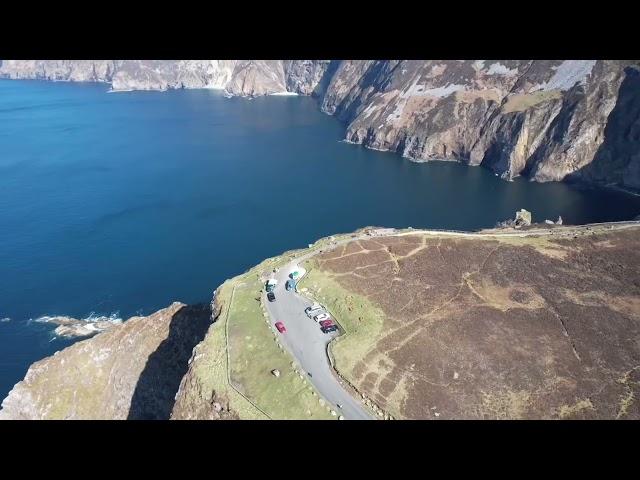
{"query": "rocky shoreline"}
(72, 327)
(554, 120)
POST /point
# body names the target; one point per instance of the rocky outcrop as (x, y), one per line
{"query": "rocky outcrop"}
(170, 74)
(617, 159)
(305, 77)
(73, 327)
(546, 120)
(257, 77)
(198, 397)
(131, 371)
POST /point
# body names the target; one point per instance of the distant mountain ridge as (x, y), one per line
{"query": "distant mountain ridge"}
(546, 120)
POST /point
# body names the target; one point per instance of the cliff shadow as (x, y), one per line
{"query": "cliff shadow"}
(325, 80)
(154, 395)
(617, 160)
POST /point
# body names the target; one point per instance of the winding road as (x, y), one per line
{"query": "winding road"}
(308, 345)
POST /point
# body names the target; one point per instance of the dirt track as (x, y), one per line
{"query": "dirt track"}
(542, 323)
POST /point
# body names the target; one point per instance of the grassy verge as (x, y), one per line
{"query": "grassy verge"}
(254, 352)
(209, 367)
(361, 320)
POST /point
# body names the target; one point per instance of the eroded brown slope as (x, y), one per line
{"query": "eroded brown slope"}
(537, 327)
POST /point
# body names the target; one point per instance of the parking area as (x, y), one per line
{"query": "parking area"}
(307, 339)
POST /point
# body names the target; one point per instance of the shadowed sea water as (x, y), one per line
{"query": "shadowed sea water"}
(122, 203)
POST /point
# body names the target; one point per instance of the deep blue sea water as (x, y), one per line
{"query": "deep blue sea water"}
(120, 203)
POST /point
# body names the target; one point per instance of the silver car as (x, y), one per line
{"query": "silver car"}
(313, 310)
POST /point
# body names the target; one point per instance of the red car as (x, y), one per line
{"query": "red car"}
(326, 323)
(280, 327)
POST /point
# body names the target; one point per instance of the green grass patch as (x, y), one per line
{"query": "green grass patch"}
(521, 102)
(210, 364)
(254, 352)
(360, 318)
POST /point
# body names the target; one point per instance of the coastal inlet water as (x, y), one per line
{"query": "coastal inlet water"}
(120, 203)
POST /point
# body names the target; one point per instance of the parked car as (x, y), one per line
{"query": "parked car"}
(329, 329)
(326, 323)
(271, 284)
(313, 311)
(291, 284)
(280, 326)
(271, 297)
(322, 316)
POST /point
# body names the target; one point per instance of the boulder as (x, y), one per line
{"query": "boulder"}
(523, 218)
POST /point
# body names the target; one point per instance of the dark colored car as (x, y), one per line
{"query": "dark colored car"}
(326, 323)
(329, 329)
(271, 296)
(280, 326)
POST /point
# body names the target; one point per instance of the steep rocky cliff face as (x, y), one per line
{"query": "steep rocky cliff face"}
(542, 119)
(257, 77)
(203, 393)
(166, 74)
(546, 120)
(237, 77)
(306, 76)
(617, 159)
(63, 70)
(131, 371)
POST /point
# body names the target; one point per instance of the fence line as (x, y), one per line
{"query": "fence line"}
(226, 334)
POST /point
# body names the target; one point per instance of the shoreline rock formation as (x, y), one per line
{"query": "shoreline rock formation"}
(547, 120)
(72, 327)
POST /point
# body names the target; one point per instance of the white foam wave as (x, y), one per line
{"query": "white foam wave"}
(73, 327)
(92, 318)
(5, 320)
(284, 94)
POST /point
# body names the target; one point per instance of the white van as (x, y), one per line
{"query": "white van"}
(314, 309)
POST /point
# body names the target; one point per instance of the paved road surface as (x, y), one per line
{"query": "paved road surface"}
(308, 345)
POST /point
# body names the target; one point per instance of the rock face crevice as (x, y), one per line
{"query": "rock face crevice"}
(548, 120)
